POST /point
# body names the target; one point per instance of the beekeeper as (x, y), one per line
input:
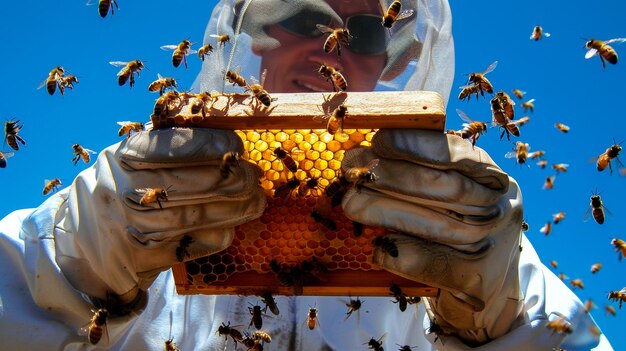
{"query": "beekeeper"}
(92, 242)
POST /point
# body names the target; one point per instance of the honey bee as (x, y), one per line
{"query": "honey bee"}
(67, 82)
(618, 296)
(81, 153)
(127, 73)
(525, 226)
(576, 283)
(393, 14)
(337, 37)
(562, 127)
(333, 76)
(336, 190)
(549, 183)
(502, 112)
(105, 5)
(538, 33)
(201, 102)
(603, 50)
(235, 78)
(11, 128)
(230, 160)
(595, 268)
(558, 217)
(518, 93)
(227, 330)
(204, 51)
(597, 209)
(170, 345)
(360, 175)
(286, 159)
(520, 153)
(129, 128)
(257, 317)
(560, 326)
(270, 303)
(323, 220)
(376, 345)
(285, 190)
(610, 310)
(311, 319)
(528, 105)
(51, 185)
(3, 158)
(162, 83)
(334, 122)
(53, 80)
(536, 154)
(311, 184)
(386, 244)
(554, 264)
(620, 247)
(468, 90)
(471, 130)
(480, 80)
(610, 154)
(181, 249)
(546, 229)
(259, 92)
(563, 277)
(400, 297)
(589, 305)
(97, 326)
(353, 306)
(542, 164)
(288, 275)
(261, 335)
(560, 167)
(181, 50)
(151, 195)
(167, 101)
(222, 39)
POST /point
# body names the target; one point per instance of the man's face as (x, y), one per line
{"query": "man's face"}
(293, 66)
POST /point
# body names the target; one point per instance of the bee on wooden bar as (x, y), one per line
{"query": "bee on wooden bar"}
(270, 303)
(400, 297)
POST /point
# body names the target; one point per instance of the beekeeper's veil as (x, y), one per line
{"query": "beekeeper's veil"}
(420, 52)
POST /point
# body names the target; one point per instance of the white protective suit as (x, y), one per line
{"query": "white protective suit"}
(56, 256)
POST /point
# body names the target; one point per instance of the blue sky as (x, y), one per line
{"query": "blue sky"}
(567, 88)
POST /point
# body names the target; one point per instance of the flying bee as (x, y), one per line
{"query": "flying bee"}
(536, 154)
(311, 319)
(235, 78)
(333, 76)
(51, 185)
(181, 249)
(506, 104)
(166, 102)
(323, 220)
(67, 82)
(259, 92)
(11, 128)
(560, 167)
(538, 33)
(181, 50)
(81, 153)
(222, 39)
(554, 264)
(542, 163)
(257, 316)
(618, 296)
(610, 310)
(562, 127)
(520, 153)
(558, 217)
(376, 345)
(620, 247)
(162, 83)
(518, 93)
(227, 330)
(3, 158)
(471, 130)
(393, 14)
(97, 326)
(270, 303)
(576, 284)
(151, 195)
(104, 6)
(129, 128)
(589, 305)
(560, 326)
(386, 244)
(400, 297)
(468, 90)
(229, 160)
(595, 268)
(502, 114)
(548, 184)
(286, 159)
(337, 37)
(603, 50)
(360, 175)
(406, 347)
(204, 51)
(334, 122)
(528, 105)
(597, 209)
(610, 154)
(52, 81)
(563, 277)
(480, 80)
(261, 335)
(353, 306)
(546, 229)
(127, 73)
(520, 122)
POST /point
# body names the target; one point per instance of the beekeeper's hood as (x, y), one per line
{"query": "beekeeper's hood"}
(419, 50)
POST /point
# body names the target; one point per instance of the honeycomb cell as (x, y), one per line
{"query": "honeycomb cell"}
(331, 251)
(285, 251)
(215, 259)
(312, 244)
(334, 165)
(343, 265)
(251, 251)
(343, 137)
(355, 250)
(192, 267)
(303, 147)
(209, 278)
(296, 138)
(320, 164)
(331, 265)
(333, 146)
(227, 259)
(328, 173)
(206, 268)
(343, 250)
(342, 235)
(311, 138)
(361, 258)
(326, 137)
(261, 145)
(350, 241)
(319, 146)
(281, 136)
(331, 235)
(354, 265)
(267, 137)
(265, 234)
(325, 244)
(253, 136)
(287, 236)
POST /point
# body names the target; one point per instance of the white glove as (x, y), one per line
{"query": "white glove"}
(109, 243)
(457, 221)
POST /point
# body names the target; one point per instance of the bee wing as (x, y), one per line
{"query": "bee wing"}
(591, 53)
(547, 35)
(169, 47)
(530, 101)
(491, 67)
(118, 63)
(192, 51)
(464, 116)
(89, 151)
(545, 228)
(43, 84)
(263, 75)
(372, 164)
(623, 291)
(405, 14)
(214, 35)
(510, 154)
(142, 191)
(84, 330)
(123, 123)
(616, 40)
(324, 28)
(159, 75)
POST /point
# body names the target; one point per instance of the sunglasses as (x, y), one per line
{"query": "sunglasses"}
(369, 37)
